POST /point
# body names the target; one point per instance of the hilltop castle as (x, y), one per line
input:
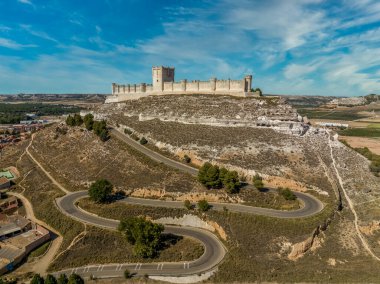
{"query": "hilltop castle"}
(163, 84)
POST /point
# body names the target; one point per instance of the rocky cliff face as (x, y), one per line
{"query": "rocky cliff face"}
(212, 110)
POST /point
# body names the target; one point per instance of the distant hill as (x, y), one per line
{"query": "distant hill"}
(355, 101)
(372, 98)
(307, 101)
(93, 98)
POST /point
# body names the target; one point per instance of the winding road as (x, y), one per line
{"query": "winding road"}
(214, 251)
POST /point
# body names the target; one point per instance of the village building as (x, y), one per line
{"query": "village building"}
(4, 183)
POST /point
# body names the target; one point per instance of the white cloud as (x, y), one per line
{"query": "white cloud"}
(25, 2)
(40, 34)
(295, 71)
(8, 43)
(349, 70)
(72, 70)
(4, 28)
(289, 23)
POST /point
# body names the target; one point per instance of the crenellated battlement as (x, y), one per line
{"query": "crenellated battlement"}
(163, 84)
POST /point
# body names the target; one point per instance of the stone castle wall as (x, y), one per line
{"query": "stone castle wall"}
(164, 84)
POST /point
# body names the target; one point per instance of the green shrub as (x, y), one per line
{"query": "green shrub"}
(50, 279)
(62, 279)
(188, 204)
(88, 121)
(75, 279)
(127, 131)
(287, 193)
(143, 234)
(100, 191)
(127, 274)
(37, 279)
(209, 176)
(70, 120)
(143, 141)
(258, 181)
(187, 159)
(203, 205)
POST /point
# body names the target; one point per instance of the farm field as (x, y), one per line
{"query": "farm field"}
(360, 142)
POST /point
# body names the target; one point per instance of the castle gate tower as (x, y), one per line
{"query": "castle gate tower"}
(161, 74)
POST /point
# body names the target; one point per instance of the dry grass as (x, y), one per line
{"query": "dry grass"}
(260, 149)
(255, 246)
(90, 249)
(119, 210)
(90, 159)
(100, 246)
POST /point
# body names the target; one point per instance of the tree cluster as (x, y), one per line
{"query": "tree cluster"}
(88, 120)
(13, 113)
(99, 127)
(62, 279)
(257, 90)
(144, 235)
(100, 191)
(214, 177)
(75, 120)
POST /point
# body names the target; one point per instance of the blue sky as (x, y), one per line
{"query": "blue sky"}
(306, 47)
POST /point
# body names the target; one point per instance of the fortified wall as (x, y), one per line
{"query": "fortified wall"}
(163, 84)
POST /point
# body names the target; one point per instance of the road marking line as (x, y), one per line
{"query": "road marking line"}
(102, 268)
(160, 266)
(121, 266)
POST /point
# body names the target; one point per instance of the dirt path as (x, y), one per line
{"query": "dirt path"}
(43, 169)
(351, 205)
(73, 242)
(40, 266)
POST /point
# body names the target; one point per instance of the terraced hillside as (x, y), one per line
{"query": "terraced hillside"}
(224, 130)
(315, 161)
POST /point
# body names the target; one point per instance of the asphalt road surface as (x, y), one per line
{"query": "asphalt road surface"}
(311, 205)
(214, 250)
(154, 155)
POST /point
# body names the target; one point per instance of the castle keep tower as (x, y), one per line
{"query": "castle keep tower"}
(161, 74)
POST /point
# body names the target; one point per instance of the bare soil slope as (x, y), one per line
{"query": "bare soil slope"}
(78, 158)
